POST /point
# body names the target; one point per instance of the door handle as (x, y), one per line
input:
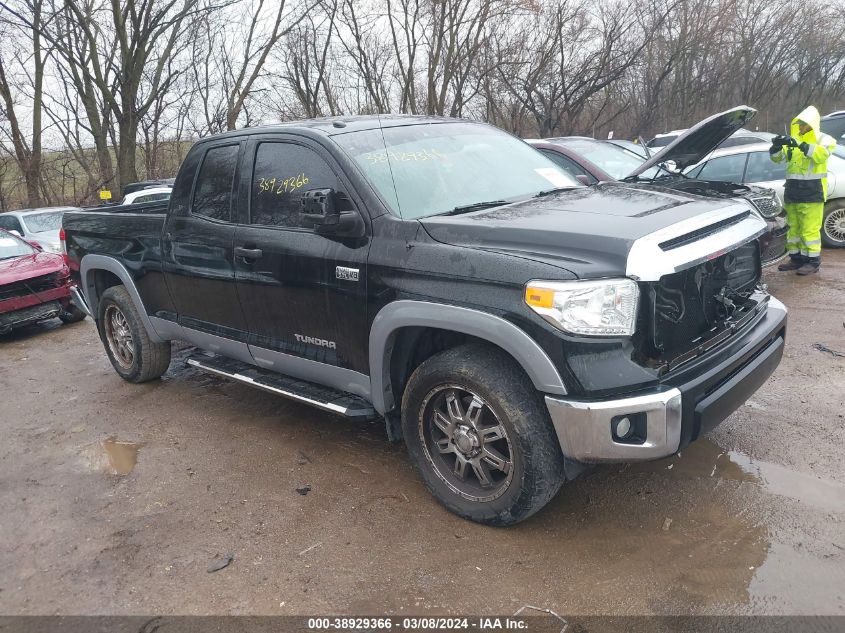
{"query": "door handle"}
(248, 253)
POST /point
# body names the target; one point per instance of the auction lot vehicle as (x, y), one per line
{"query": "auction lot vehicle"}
(34, 286)
(509, 323)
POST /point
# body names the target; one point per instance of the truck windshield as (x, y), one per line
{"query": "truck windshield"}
(43, 222)
(10, 247)
(424, 170)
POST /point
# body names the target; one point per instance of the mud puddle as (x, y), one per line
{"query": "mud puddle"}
(112, 456)
(705, 458)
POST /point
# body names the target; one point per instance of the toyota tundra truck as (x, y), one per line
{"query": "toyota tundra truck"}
(508, 323)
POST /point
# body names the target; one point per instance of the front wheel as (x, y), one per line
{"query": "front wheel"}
(480, 435)
(833, 225)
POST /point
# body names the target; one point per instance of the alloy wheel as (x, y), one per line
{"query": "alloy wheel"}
(834, 225)
(119, 336)
(466, 443)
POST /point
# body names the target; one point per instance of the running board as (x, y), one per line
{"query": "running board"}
(325, 398)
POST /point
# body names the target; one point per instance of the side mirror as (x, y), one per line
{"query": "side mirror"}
(331, 212)
(318, 206)
(583, 179)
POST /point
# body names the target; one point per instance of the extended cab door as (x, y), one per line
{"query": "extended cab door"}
(303, 293)
(197, 248)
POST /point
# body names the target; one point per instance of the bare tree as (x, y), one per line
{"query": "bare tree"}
(27, 143)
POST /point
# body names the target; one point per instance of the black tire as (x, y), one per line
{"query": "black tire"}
(481, 376)
(135, 358)
(71, 314)
(833, 224)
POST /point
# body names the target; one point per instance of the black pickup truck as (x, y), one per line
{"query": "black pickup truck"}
(509, 323)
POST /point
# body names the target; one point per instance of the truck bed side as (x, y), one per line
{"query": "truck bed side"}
(132, 240)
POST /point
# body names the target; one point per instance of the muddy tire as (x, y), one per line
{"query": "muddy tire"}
(71, 314)
(833, 224)
(133, 355)
(480, 435)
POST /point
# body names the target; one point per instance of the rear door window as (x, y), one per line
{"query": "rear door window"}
(213, 190)
(282, 172)
(761, 168)
(724, 168)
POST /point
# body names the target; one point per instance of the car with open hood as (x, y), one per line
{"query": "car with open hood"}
(595, 160)
(442, 277)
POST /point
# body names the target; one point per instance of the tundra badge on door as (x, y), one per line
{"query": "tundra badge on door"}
(347, 274)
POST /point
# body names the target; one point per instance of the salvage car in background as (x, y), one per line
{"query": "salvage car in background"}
(594, 161)
(751, 165)
(153, 194)
(40, 226)
(34, 285)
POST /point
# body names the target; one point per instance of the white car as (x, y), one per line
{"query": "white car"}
(40, 226)
(750, 164)
(154, 194)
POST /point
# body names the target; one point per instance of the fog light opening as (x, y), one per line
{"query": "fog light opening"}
(630, 428)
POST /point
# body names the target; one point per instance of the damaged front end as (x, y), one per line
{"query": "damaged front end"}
(687, 313)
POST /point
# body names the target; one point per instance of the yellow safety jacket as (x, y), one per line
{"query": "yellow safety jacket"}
(806, 171)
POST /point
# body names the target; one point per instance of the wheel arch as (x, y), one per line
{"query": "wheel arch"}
(98, 273)
(408, 319)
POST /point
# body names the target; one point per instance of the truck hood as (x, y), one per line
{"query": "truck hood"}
(29, 266)
(611, 229)
(697, 142)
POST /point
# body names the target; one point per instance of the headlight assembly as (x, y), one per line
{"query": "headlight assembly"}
(600, 307)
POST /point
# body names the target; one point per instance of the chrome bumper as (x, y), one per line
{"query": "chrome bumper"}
(584, 428)
(78, 300)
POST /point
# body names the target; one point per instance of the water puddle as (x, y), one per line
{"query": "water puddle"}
(704, 458)
(112, 456)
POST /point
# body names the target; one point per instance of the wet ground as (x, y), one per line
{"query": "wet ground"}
(119, 498)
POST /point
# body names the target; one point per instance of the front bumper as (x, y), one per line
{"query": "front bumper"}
(682, 408)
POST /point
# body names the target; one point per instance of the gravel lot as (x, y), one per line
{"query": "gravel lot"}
(117, 498)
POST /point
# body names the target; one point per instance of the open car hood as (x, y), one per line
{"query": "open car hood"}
(693, 145)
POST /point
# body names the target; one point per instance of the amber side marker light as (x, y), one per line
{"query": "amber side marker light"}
(539, 297)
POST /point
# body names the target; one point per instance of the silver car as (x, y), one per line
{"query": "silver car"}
(750, 164)
(40, 226)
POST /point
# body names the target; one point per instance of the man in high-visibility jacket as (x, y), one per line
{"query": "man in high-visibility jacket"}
(806, 151)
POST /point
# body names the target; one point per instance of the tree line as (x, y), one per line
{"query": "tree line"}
(95, 94)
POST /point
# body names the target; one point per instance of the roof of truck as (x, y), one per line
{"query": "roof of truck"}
(331, 126)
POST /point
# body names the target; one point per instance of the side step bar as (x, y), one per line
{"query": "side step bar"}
(339, 402)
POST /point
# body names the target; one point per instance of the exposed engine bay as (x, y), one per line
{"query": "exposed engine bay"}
(692, 310)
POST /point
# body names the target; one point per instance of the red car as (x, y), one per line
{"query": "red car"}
(34, 285)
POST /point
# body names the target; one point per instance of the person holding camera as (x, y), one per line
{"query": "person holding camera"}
(806, 151)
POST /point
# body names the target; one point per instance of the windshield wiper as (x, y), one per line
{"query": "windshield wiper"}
(548, 192)
(466, 208)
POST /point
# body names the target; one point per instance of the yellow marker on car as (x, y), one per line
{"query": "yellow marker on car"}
(539, 297)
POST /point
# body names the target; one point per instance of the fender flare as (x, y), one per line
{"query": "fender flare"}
(91, 263)
(483, 325)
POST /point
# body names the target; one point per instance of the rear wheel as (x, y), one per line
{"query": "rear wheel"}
(134, 356)
(480, 435)
(833, 225)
